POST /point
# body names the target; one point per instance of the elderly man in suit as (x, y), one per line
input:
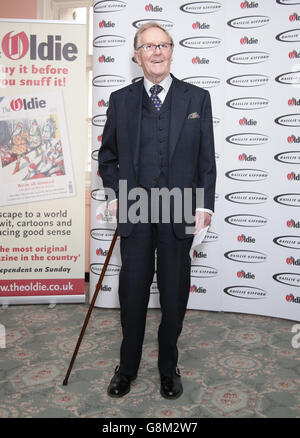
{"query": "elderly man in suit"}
(158, 134)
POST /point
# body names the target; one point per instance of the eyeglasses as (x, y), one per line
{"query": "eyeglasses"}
(152, 47)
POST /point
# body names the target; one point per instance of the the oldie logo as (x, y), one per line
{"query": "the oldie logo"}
(292, 120)
(290, 36)
(96, 268)
(294, 54)
(247, 122)
(247, 198)
(151, 8)
(200, 271)
(249, 22)
(245, 157)
(202, 7)
(16, 46)
(109, 41)
(293, 102)
(248, 57)
(246, 256)
(293, 139)
(292, 176)
(198, 60)
(290, 78)
(109, 6)
(103, 58)
(291, 299)
(292, 242)
(248, 103)
(292, 261)
(104, 23)
(246, 5)
(247, 275)
(197, 25)
(205, 42)
(247, 40)
(99, 120)
(289, 278)
(203, 81)
(246, 220)
(103, 103)
(246, 292)
(245, 239)
(290, 199)
(247, 138)
(248, 175)
(197, 290)
(27, 104)
(108, 81)
(291, 223)
(166, 24)
(252, 80)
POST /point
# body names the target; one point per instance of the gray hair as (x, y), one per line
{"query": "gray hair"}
(146, 26)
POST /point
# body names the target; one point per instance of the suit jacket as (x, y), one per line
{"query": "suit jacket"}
(191, 144)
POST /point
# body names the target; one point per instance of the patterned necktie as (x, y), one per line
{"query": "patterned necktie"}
(155, 90)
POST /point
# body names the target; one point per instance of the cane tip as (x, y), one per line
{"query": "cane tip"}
(65, 382)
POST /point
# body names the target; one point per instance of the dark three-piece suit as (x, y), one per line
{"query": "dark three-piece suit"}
(173, 147)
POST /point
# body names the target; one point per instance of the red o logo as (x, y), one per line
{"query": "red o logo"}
(193, 289)
(16, 46)
(16, 104)
(290, 223)
(240, 274)
(292, 54)
(101, 24)
(289, 260)
(292, 17)
(243, 40)
(289, 298)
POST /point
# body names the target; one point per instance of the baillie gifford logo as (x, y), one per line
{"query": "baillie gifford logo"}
(16, 46)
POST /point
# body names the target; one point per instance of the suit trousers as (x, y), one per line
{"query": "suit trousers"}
(136, 276)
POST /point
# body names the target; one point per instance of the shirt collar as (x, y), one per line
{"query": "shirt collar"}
(166, 83)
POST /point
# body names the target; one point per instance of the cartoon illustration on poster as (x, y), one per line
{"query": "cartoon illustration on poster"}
(34, 149)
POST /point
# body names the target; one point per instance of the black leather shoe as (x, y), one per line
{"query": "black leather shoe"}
(171, 387)
(119, 384)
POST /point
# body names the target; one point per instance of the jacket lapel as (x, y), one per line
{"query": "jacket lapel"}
(134, 117)
(180, 101)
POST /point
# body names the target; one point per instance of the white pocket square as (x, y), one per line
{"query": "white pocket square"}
(194, 116)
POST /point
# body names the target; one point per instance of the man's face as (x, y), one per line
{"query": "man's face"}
(155, 63)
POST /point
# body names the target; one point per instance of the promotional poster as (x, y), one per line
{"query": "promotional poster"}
(42, 162)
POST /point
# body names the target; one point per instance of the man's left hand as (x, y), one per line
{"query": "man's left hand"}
(202, 220)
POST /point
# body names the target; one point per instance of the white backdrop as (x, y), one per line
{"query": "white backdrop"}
(246, 53)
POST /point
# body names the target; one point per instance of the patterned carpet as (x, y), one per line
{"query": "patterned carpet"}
(232, 365)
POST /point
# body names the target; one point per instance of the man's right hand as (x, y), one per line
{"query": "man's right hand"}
(113, 208)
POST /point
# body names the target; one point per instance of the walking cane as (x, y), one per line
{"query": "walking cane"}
(65, 382)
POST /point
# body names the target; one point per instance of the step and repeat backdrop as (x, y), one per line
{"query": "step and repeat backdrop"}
(247, 55)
